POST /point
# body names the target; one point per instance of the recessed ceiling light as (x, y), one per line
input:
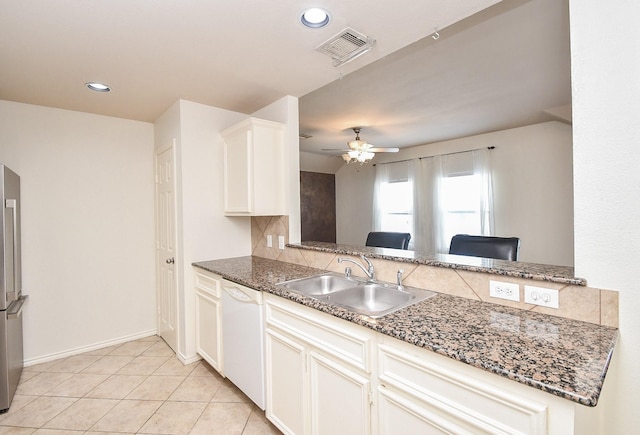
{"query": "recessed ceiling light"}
(98, 87)
(315, 18)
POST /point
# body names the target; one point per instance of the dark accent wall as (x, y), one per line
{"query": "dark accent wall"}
(318, 207)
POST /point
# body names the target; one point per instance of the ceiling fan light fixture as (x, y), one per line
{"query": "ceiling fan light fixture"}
(358, 150)
(359, 145)
(365, 156)
(357, 156)
(315, 18)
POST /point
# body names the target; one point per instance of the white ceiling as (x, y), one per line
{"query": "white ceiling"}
(505, 67)
(235, 54)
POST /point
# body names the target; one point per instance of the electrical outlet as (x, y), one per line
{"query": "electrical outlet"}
(269, 241)
(545, 297)
(281, 242)
(504, 290)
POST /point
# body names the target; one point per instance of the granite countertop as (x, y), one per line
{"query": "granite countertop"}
(517, 269)
(567, 358)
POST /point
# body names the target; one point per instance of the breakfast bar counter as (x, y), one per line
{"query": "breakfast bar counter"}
(564, 357)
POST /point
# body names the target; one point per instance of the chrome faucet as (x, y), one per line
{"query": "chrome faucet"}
(368, 270)
(399, 279)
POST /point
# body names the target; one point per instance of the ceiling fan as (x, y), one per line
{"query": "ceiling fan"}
(360, 150)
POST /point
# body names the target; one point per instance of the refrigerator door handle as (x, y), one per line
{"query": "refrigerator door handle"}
(12, 204)
(15, 309)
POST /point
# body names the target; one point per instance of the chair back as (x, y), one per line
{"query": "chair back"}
(385, 239)
(502, 248)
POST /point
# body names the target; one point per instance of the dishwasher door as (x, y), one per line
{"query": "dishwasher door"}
(243, 339)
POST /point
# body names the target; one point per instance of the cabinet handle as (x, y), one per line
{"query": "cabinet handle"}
(170, 260)
(12, 293)
(237, 294)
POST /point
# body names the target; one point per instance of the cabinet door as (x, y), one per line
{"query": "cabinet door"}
(285, 370)
(238, 172)
(254, 172)
(398, 414)
(421, 389)
(209, 329)
(340, 398)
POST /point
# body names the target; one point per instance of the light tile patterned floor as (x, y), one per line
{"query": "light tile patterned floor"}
(136, 387)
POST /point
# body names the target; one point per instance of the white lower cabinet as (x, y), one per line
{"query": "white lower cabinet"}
(432, 399)
(340, 398)
(328, 376)
(285, 374)
(318, 371)
(209, 319)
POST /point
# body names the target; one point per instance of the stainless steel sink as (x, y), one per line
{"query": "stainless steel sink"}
(371, 299)
(320, 284)
(376, 300)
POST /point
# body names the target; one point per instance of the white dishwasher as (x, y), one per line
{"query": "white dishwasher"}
(243, 339)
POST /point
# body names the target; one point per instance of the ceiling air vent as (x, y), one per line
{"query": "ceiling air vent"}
(346, 46)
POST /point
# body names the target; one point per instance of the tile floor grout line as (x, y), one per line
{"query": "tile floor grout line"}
(219, 395)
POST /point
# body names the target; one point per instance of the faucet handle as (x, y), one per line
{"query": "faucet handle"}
(366, 260)
(347, 272)
(399, 278)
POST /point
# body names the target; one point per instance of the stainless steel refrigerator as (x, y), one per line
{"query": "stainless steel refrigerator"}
(11, 298)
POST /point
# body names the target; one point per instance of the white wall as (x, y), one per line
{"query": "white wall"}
(606, 103)
(204, 233)
(87, 226)
(533, 191)
(311, 162)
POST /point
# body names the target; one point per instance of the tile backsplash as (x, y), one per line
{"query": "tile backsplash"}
(575, 302)
(263, 226)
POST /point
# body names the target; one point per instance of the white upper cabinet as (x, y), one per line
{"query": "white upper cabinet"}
(254, 168)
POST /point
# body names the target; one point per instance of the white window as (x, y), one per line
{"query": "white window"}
(461, 200)
(393, 198)
(464, 196)
(435, 199)
(396, 206)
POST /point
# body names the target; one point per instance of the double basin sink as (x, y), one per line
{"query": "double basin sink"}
(373, 299)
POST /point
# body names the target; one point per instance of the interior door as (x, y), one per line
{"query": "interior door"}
(166, 247)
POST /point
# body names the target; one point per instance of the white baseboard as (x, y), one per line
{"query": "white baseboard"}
(78, 350)
(188, 359)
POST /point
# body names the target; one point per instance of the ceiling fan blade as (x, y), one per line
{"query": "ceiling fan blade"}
(384, 150)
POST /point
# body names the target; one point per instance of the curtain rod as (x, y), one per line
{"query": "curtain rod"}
(428, 157)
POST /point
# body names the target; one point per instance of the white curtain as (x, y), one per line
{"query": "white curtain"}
(482, 168)
(392, 203)
(411, 177)
(383, 174)
(429, 211)
(441, 242)
(424, 196)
